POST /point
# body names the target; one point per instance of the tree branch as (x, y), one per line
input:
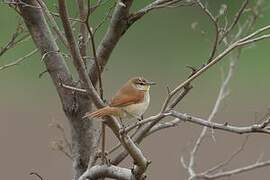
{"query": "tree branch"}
(74, 105)
(256, 128)
(221, 95)
(227, 161)
(116, 29)
(14, 39)
(215, 23)
(82, 6)
(19, 60)
(53, 22)
(234, 171)
(157, 4)
(77, 59)
(104, 171)
(235, 20)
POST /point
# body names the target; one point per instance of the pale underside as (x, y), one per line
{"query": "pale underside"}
(136, 110)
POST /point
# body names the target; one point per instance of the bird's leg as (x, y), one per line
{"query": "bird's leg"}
(121, 122)
(104, 155)
(122, 129)
(140, 118)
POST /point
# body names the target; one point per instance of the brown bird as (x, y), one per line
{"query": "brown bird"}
(130, 101)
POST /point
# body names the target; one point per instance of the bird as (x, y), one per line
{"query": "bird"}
(130, 101)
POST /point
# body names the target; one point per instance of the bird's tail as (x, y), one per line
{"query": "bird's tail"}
(106, 111)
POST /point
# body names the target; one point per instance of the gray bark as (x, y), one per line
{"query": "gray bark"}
(74, 105)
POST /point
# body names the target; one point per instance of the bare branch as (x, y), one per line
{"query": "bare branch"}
(164, 125)
(75, 20)
(144, 121)
(157, 4)
(186, 90)
(107, 171)
(220, 98)
(77, 59)
(255, 128)
(73, 88)
(92, 39)
(106, 17)
(215, 23)
(252, 35)
(18, 61)
(227, 161)
(74, 105)
(126, 141)
(119, 144)
(116, 29)
(15, 39)
(22, 4)
(235, 20)
(139, 160)
(234, 171)
(36, 174)
(267, 36)
(53, 22)
(244, 41)
(82, 6)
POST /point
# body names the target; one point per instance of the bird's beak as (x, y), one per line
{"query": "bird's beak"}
(151, 83)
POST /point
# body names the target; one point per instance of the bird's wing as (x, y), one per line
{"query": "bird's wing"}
(126, 96)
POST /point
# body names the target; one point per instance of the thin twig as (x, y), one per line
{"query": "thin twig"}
(77, 59)
(94, 50)
(220, 98)
(69, 18)
(36, 174)
(235, 171)
(215, 23)
(254, 128)
(18, 61)
(235, 20)
(107, 16)
(73, 88)
(103, 128)
(15, 39)
(53, 22)
(227, 161)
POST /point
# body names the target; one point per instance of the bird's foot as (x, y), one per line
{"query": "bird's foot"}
(107, 161)
(122, 130)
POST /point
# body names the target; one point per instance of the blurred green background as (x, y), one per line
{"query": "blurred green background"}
(158, 47)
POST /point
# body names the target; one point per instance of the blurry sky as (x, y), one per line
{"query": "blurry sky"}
(157, 47)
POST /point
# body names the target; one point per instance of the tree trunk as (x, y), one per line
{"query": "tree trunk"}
(74, 105)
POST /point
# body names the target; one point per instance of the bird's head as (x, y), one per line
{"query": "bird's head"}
(141, 84)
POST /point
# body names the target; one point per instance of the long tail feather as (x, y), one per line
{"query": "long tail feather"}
(106, 111)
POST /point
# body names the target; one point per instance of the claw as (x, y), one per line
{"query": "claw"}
(122, 130)
(108, 161)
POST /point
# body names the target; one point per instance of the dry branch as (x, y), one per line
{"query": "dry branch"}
(230, 173)
(77, 59)
(84, 144)
(116, 29)
(18, 61)
(255, 128)
(107, 171)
